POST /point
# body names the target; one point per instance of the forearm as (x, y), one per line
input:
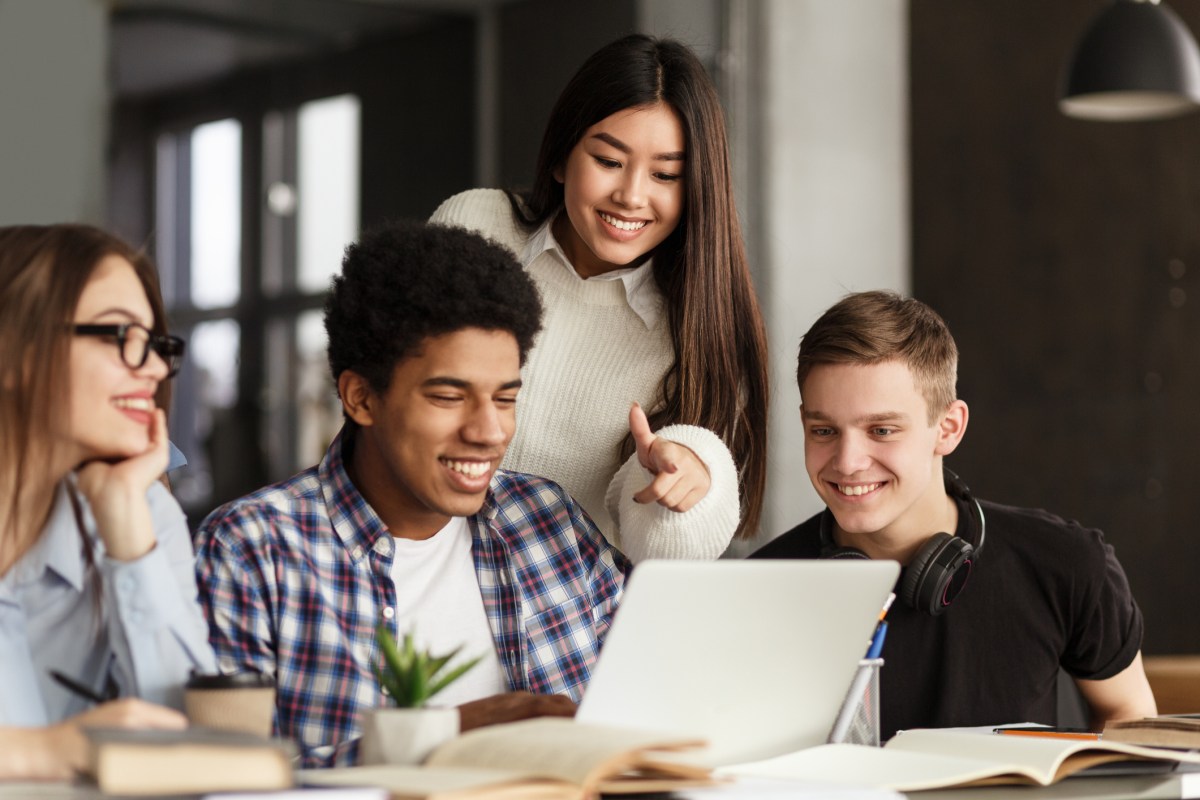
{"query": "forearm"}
(125, 523)
(40, 753)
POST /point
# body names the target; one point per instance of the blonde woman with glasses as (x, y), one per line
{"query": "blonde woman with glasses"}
(97, 593)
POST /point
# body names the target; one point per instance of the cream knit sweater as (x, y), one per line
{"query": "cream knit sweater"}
(592, 360)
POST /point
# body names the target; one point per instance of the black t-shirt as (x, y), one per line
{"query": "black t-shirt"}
(1045, 592)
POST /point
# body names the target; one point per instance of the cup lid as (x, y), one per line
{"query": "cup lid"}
(232, 680)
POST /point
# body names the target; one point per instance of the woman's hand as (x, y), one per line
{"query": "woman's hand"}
(116, 492)
(58, 752)
(680, 478)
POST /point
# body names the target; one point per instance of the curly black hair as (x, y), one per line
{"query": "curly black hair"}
(407, 281)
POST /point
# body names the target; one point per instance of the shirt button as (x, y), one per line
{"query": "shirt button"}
(389, 612)
(358, 553)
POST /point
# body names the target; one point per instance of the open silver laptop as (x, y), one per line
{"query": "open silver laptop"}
(754, 656)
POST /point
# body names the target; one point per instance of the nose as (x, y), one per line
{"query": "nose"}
(631, 191)
(850, 455)
(488, 426)
(155, 367)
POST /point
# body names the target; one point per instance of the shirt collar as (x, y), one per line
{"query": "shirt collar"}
(59, 548)
(640, 290)
(352, 517)
(354, 521)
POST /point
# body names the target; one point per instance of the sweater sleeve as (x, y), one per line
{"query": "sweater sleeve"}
(645, 531)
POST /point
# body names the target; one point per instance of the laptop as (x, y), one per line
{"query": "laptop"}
(754, 656)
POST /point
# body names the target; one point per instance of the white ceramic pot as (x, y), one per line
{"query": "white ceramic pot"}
(404, 735)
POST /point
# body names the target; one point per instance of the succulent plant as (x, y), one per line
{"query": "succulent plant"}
(410, 676)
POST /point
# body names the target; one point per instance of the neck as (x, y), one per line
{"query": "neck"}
(369, 473)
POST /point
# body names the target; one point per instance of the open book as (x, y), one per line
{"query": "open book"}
(546, 758)
(1181, 731)
(191, 761)
(933, 759)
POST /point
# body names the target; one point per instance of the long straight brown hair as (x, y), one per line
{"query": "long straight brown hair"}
(43, 272)
(719, 378)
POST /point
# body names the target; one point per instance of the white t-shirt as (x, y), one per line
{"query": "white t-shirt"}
(438, 600)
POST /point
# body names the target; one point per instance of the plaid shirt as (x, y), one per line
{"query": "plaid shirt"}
(296, 576)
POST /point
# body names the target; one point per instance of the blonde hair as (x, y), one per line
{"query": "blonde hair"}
(874, 327)
(44, 269)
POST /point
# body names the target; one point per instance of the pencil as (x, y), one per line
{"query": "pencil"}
(1087, 736)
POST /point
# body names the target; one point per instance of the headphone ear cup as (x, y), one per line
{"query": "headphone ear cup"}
(931, 580)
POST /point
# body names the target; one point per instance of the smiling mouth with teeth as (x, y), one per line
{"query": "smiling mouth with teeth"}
(859, 489)
(135, 403)
(472, 469)
(621, 224)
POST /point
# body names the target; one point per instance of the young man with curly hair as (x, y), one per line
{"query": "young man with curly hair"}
(877, 376)
(408, 521)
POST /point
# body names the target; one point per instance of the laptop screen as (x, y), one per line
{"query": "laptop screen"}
(755, 656)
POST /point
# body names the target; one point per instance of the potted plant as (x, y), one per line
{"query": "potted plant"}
(405, 731)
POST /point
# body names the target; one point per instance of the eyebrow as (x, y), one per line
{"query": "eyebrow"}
(608, 138)
(123, 312)
(459, 383)
(868, 419)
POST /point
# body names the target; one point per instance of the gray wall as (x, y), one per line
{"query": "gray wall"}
(53, 92)
(835, 203)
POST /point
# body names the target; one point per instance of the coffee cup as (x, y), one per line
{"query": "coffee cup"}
(240, 701)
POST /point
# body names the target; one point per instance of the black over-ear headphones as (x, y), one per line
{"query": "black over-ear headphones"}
(939, 569)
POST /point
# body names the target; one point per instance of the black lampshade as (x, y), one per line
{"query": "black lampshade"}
(1137, 60)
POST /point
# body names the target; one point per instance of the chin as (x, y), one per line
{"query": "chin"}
(457, 505)
(115, 450)
(856, 521)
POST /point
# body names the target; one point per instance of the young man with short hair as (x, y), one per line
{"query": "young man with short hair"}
(877, 376)
(408, 521)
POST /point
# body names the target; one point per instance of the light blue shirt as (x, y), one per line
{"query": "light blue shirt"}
(137, 622)
(175, 457)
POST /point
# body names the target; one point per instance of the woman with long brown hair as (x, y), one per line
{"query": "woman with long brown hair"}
(631, 233)
(96, 567)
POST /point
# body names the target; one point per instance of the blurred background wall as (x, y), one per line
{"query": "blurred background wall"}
(877, 144)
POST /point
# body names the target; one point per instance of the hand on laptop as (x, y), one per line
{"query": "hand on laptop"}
(513, 706)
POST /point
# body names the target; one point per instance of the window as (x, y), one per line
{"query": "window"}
(244, 283)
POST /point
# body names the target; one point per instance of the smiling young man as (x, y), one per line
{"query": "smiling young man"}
(407, 521)
(877, 376)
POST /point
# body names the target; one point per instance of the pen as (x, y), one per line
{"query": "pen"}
(877, 640)
(75, 687)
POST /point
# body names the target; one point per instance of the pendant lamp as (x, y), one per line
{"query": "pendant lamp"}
(1137, 60)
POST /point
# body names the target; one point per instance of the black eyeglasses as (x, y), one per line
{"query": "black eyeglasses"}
(135, 343)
